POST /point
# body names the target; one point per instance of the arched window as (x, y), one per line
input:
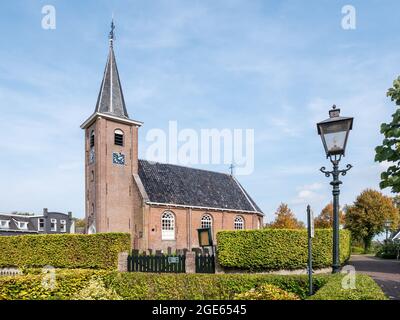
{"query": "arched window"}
(91, 139)
(238, 223)
(168, 226)
(206, 221)
(118, 137)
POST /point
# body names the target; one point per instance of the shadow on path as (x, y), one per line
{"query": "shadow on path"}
(386, 273)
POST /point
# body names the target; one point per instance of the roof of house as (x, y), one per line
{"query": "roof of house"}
(396, 235)
(13, 219)
(174, 184)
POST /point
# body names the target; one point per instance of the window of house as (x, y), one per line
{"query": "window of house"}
(41, 224)
(119, 137)
(22, 225)
(92, 138)
(168, 226)
(63, 226)
(4, 224)
(238, 223)
(206, 221)
(92, 176)
(53, 224)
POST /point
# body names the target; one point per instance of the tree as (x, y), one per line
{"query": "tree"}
(80, 223)
(366, 217)
(285, 219)
(325, 218)
(389, 151)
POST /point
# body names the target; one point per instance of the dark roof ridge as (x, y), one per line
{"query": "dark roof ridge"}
(182, 166)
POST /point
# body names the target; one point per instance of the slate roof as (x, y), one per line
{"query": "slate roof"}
(173, 184)
(13, 218)
(111, 98)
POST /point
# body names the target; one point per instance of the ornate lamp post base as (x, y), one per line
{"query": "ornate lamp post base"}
(335, 183)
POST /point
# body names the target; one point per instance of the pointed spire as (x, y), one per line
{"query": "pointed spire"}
(111, 99)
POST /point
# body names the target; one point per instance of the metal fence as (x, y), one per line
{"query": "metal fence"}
(157, 263)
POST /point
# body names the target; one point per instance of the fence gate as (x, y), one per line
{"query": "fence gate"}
(205, 263)
(169, 264)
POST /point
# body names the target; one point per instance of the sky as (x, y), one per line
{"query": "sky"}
(272, 66)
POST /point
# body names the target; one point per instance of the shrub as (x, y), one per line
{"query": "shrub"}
(95, 284)
(365, 289)
(75, 284)
(31, 286)
(95, 290)
(275, 249)
(266, 292)
(357, 250)
(97, 251)
(389, 250)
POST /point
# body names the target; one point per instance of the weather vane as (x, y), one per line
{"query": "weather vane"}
(112, 36)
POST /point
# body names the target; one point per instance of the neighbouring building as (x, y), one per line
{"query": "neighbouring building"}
(47, 223)
(160, 205)
(395, 235)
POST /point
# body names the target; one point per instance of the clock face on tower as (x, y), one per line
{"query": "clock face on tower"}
(118, 158)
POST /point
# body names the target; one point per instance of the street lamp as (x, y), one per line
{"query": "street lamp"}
(334, 132)
(387, 224)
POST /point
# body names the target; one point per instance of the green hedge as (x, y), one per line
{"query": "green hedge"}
(276, 249)
(151, 286)
(147, 286)
(98, 251)
(365, 289)
(101, 284)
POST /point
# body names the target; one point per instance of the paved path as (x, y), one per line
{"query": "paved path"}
(386, 273)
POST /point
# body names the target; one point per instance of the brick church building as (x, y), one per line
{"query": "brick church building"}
(160, 205)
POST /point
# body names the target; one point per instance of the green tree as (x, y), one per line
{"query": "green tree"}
(389, 151)
(366, 217)
(285, 219)
(325, 218)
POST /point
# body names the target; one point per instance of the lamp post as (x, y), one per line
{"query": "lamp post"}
(334, 132)
(387, 224)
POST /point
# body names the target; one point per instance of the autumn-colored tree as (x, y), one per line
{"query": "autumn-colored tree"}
(366, 217)
(80, 223)
(325, 218)
(285, 219)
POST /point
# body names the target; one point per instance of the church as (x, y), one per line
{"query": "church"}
(160, 205)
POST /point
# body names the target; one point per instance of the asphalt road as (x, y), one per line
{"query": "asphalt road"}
(386, 273)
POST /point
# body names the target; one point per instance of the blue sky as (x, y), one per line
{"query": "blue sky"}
(272, 66)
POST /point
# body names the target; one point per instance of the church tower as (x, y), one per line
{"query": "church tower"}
(111, 156)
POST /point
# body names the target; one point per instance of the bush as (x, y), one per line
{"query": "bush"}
(97, 251)
(276, 249)
(76, 284)
(389, 250)
(40, 287)
(266, 292)
(365, 289)
(96, 290)
(357, 250)
(95, 284)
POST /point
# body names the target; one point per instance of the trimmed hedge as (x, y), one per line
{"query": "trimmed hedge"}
(71, 284)
(101, 284)
(97, 251)
(148, 286)
(277, 249)
(365, 289)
